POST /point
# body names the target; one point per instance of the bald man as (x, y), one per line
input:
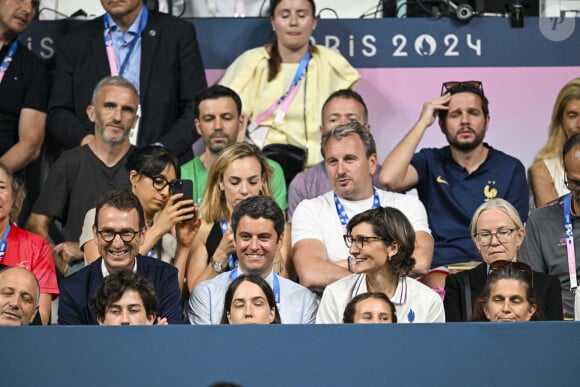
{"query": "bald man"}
(19, 296)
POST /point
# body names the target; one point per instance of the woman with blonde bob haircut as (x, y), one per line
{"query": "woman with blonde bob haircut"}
(546, 175)
(497, 232)
(240, 171)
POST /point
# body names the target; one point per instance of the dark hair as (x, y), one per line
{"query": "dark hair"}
(466, 88)
(347, 94)
(120, 199)
(350, 310)
(262, 284)
(115, 285)
(151, 160)
(342, 131)
(393, 226)
(506, 272)
(215, 92)
(18, 193)
(257, 207)
(275, 59)
(570, 143)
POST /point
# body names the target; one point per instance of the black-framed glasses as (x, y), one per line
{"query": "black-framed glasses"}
(571, 184)
(108, 235)
(502, 235)
(446, 86)
(159, 182)
(360, 241)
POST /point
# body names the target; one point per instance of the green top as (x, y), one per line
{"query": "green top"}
(195, 170)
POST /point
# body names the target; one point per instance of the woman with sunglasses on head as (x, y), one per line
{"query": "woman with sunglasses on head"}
(250, 300)
(498, 233)
(284, 84)
(171, 223)
(380, 242)
(240, 171)
(508, 296)
(546, 175)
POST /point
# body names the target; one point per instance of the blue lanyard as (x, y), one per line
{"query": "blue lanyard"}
(109, 38)
(570, 241)
(343, 216)
(8, 59)
(232, 262)
(4, 243)
(235, 273)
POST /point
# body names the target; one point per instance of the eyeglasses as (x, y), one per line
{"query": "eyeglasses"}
(517, 266)
(571, 184)
(159, 182)
(360, 241)
(126, 235)
(503, 235)
(477, 85)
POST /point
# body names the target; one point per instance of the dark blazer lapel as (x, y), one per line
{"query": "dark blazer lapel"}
(478, 277)
(98, 47)
(149, 42)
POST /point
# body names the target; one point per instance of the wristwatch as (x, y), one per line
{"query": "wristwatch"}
(217, 267)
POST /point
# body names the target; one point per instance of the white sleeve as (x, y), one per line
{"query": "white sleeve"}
(305, 222)
(328, 308)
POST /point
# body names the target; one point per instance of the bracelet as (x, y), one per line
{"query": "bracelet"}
(348, 262)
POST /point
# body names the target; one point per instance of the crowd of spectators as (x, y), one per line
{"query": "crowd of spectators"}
(111, 241)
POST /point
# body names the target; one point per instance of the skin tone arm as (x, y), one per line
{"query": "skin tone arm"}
(185, 233)
(44, 307)
(397, 173)
(64, 252)
(285, 256)
(198, 268)
(423, 252)
(541, 183)
(30, 137)
(314, 271)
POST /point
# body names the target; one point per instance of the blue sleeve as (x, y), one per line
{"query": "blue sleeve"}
(199, 312)
(518, 194)
(170, 298)
(69, 312)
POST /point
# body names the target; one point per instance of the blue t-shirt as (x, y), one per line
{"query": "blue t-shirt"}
(451, 195)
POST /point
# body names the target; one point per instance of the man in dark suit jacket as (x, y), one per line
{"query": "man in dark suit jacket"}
(119, 230)
(546, 289)
(169, 75)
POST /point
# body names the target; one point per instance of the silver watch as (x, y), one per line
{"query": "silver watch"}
(217, 267)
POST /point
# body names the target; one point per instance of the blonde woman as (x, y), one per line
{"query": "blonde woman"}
(240, 171)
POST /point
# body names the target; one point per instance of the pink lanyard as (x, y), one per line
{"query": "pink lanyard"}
(285, 100)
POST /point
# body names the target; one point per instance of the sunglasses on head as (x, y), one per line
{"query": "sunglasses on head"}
(518, 266)
(449, 85)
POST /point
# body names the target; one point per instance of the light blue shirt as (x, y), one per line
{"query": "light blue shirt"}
(122, 42)
(298, 305)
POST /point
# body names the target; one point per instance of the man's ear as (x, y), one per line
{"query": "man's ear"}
(91, 113)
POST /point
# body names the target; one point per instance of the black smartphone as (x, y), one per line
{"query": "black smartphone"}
(184, 186)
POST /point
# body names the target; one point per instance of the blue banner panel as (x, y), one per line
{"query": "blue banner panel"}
(451, 354)
(383, 43)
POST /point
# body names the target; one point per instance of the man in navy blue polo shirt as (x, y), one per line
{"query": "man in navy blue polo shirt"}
(454, 180)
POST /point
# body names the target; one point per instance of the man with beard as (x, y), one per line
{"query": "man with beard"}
(158, 53)
(219, 121)
(454, 180)
(82, 174)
